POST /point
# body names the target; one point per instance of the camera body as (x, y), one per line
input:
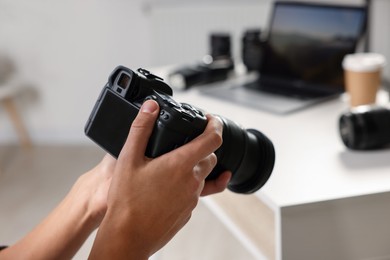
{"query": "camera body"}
(119, 103)
(365, 127)
(247, 153)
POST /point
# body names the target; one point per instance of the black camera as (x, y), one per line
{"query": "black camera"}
(214, 67)
(248, 154)
(365, 127)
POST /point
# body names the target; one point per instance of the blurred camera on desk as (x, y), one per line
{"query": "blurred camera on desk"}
(214, 67)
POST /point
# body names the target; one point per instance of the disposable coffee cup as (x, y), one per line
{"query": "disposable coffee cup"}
(362, 73)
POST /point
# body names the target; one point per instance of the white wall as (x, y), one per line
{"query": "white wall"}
(188, 41)
(180, 32)
(68, 48)
(380, 33)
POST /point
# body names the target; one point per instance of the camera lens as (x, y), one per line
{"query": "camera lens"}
(252, 50)
(365, 128)
(248, 154)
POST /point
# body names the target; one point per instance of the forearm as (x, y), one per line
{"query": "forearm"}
(59, 236)
(118, 238)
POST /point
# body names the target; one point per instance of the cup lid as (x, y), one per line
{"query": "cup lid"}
(364, 62)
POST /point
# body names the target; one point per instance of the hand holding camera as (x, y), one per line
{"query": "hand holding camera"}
(248, 154)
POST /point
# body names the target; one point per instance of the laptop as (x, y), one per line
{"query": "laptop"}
(302, 57)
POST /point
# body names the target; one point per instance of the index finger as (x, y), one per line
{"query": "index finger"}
(204, 144)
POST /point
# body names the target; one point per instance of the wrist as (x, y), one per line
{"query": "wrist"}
(119, 237)
(79, 213)
(65, 229)
(89, 195)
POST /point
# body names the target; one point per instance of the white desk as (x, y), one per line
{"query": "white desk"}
(322, 200)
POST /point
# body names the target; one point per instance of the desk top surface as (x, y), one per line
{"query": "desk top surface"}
(312, 164)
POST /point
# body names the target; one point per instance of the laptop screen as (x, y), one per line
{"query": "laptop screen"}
(307, 42)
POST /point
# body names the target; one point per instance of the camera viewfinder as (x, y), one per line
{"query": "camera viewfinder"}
(124, 80)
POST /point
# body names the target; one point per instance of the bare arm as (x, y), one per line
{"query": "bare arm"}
(65, 229)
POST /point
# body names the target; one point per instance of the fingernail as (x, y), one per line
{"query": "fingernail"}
(149, 106)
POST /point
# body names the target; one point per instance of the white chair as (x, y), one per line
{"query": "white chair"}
(9, 90)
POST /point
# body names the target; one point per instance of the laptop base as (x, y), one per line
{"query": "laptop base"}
(262, 100)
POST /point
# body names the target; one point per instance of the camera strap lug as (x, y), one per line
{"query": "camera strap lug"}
(148, 75)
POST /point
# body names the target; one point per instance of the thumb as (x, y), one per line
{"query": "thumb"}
(140, 131)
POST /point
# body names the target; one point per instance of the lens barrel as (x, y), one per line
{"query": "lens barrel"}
(248, 154)
(252, 50)
(365, 128)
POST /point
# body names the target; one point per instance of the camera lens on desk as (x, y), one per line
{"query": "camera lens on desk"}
(252, 50)
(365, 127)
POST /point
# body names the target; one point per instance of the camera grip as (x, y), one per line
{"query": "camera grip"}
(168, 135)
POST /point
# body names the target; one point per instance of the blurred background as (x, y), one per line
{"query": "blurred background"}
(66, 50)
